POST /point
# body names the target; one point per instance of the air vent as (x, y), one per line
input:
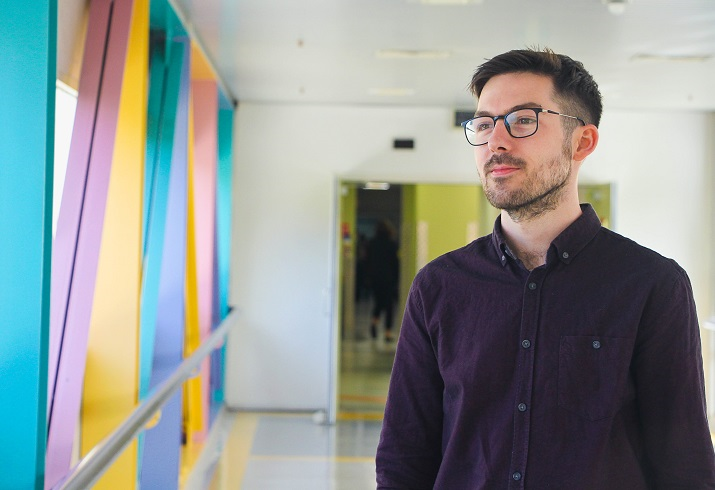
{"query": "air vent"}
(403, 144)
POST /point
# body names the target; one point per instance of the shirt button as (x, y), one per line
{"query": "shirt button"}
(596, 344)
(532, 285)
(526, 343)
(516, 476)
(521, 407)
(565, 255)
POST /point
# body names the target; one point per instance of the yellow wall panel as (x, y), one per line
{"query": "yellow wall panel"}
(111, 379)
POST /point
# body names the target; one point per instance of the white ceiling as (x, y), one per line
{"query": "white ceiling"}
(324, 51)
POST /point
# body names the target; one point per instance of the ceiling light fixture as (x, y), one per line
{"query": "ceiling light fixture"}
(616, 7)
(449, 2)
(680, 58)
(421, 54)
(392, 92)
(376, 186)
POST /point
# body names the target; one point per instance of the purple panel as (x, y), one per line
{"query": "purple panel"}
(65, 242)
(65, 407)
(162, 444)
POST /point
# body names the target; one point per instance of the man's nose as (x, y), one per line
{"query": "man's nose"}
(500, 137)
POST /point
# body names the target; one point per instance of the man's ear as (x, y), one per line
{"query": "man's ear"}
(585, 141)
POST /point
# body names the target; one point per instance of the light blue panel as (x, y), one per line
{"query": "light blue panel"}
(27, 105)
(160, 147)
(166, 67)
(162, 443)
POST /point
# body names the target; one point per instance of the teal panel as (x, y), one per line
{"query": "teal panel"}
(224, 186)
(224, 182)
(27, 84)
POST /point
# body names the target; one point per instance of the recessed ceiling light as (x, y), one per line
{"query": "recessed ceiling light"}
(681, 58)
(616, 7)
(447, 2)
(376, 186)
(392, 92)
(422, 54)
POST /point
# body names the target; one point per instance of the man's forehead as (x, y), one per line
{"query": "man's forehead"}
(510, 90)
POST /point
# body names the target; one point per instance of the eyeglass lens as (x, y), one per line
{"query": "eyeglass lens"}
(520, 124)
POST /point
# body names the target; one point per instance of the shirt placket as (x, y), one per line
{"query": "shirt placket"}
(525, 373)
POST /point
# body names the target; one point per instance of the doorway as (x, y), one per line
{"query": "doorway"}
(366, 350)
(427, 220)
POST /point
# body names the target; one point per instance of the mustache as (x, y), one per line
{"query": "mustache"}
(503, 159)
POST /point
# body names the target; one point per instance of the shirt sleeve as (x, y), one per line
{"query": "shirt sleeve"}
(410, 449)
(668, 370)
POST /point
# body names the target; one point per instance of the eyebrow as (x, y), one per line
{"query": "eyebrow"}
(527, 105)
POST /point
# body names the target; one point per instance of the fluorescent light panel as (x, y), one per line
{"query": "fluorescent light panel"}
(376, 186)
(391, 91)
(687, 58)
(449, 2)
(420, 54)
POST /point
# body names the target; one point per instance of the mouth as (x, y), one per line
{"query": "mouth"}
(502, 170)
(501, 166)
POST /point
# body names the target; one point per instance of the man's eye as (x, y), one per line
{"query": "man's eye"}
(483, 127)
(525, 121)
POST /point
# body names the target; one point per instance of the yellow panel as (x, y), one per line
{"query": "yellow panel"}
(200, 68)
(111, 379)
(192, 388)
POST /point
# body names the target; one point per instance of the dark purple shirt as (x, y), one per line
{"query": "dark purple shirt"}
(585, 373)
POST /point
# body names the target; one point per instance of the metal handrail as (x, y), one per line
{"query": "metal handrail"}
(98, 460)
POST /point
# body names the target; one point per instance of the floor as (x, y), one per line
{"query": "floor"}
(272, 451)
(299, 451)
(365, 367)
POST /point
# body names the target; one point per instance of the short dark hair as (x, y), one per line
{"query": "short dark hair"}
(574, 87)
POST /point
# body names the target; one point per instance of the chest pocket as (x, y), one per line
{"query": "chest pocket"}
(594, 375)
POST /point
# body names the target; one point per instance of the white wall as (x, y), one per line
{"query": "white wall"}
(288, 159)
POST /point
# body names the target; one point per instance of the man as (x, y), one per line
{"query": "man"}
(553, 353)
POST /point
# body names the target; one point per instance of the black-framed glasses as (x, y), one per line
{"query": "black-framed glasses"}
(520, 123)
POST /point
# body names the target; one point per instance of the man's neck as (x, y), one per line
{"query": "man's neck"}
(530, 239)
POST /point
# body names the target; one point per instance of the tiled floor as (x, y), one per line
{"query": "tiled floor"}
(287, 452)
(267, 451)
(365, 367)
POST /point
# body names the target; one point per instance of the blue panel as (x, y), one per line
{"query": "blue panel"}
(160, 147)
(27, 105)
(162, 444)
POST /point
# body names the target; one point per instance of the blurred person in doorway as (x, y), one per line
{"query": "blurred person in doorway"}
(383, 276)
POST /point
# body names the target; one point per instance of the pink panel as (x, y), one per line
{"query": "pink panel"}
(205, 103)
(87, 181)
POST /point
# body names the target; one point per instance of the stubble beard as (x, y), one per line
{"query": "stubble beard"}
(540, 193)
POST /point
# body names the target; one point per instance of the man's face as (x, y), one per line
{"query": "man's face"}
(524, 176)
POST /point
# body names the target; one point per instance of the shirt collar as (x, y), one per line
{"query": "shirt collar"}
(566, 246)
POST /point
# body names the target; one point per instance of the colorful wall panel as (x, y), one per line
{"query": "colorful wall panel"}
(27, 82)
(224, 202)
(137, 274)
(79, 227)
(167, 253)
(205, 118)
(111, 378)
